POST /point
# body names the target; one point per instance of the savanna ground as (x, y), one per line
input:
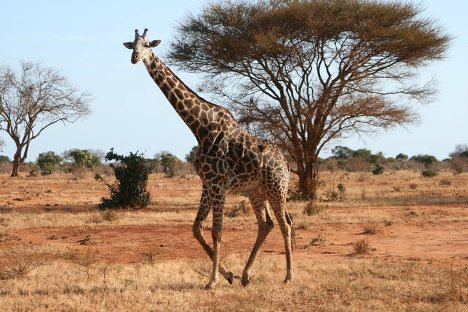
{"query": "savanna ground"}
(393, 242)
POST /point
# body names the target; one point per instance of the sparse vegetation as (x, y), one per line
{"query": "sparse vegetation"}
(429, 173)
(362, 247)
(98, 259)
(168, 163)
(370, 228)
(317, 240)
(378, 170)
(311, 208)
(241, 209)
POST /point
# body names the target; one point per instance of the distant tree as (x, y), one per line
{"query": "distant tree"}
(33, 100)
(168, 163)
(192, 155)
(363, 153)
(377, 158)
(341, 152)
(2, 143)
(4, 158)
(83, 158)
(425, 159)
(303, 73)
(48, 162)
(461, 150)
(459, 158)
(401, 156)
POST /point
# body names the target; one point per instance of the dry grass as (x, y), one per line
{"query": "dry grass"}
(52, 277)
(351, 285)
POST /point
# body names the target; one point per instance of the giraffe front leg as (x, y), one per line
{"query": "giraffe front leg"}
(197, 228)
(216, 233)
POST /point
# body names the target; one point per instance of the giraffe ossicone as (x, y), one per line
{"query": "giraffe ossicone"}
(228, 158)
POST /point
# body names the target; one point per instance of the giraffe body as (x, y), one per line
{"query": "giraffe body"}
(228, 158)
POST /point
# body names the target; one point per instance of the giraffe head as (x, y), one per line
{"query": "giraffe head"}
(141, 46)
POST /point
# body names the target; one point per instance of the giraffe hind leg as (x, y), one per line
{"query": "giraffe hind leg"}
(265, 224)
(278, 204)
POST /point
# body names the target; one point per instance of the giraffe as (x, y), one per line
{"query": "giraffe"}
(228, 158)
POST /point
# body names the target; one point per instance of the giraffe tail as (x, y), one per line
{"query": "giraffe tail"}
(289, 219)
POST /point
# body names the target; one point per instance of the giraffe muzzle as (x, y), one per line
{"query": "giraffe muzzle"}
(134, 58)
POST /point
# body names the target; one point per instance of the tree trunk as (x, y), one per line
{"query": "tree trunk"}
(16, 163)
(308, 181)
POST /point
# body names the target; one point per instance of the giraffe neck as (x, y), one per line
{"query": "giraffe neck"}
(198, 114)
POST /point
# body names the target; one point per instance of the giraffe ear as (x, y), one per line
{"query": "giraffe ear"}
(154, 43)
(128, 45)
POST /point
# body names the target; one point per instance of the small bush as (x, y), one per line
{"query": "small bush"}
(21, 263)
(341, 189)
(131, 173)
(238, 210)
(429, 173)
(109, 215)
(378, 170)
(445, 182)
(5, 164)
(396, 189)
(338, 194)
(311, 209)
(413, 186)
(318, 240)
(34, 170)
(48, 162)
(370, 228)
(362, 247)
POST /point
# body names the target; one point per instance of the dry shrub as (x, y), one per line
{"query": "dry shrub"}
(362, 177)
(370, 228)
(413, 186)
(5, 237)
(5, 167)
(317, 241)
(451, 289)
(19, 263)
(5, 209)
(396, 189)
(445, 182)
(85, 261)
(149, 257)
(241, 209)
(311, 209)
(95, 219)
(109, 215)
(362, 247)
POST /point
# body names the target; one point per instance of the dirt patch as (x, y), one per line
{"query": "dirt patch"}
(441, 242)
(436, 231)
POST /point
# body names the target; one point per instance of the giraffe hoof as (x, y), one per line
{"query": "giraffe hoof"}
(288, 279)
(245, 281)
(230, 277)
(210, 285)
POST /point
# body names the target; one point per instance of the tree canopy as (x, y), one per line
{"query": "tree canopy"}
(302, 73)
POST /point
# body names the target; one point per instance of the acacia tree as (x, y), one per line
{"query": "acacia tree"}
(303, 73)
(31, 101)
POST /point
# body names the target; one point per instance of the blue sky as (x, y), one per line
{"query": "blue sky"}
(83, 40)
